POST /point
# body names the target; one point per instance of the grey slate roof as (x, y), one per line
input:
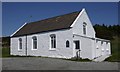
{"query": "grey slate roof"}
(54, 23)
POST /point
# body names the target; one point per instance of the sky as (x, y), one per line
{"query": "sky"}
(15, 14)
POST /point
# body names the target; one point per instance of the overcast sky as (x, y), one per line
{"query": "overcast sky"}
(16, 14)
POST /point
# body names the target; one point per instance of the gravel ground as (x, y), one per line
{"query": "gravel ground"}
(35, 63)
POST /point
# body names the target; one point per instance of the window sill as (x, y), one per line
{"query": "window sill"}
(19, 50)
(52, 49)
(34, 49)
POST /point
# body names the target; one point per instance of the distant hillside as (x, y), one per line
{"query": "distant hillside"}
(107, 32)
(5, 42)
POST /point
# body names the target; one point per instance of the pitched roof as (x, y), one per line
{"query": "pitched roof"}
(54, 23)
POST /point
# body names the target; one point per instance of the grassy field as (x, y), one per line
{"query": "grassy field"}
(115, 44)
(5, 52)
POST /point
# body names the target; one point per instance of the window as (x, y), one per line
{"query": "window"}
(84, 28)
(53, 40)
(34, 42)
(20, 43)
(101, 42)
(67, 43)
(106, 42)
(97, 44)
(96, 41)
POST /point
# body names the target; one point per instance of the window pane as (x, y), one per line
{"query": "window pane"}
(34, 42)
(20, 43)
(84, 28)
(53, 41)
(67, 43)
(101, 42)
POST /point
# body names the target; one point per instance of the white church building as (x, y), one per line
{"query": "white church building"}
(63, 36)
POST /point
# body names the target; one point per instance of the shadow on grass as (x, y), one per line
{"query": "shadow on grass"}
(113, 58)
(6, 53)
(79, 59)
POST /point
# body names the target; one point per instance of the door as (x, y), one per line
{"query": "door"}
(77, 48)
(77, 44)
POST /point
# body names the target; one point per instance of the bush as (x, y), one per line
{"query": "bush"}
(79, 59)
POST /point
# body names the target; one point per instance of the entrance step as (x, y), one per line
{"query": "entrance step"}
(100, 59)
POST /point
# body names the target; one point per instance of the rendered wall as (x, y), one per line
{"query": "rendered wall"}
(86, 47)
(103, 49)
(78, 25)
(44, 45)
(15, 45)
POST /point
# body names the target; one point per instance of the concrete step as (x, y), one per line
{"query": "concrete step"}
(100, 59)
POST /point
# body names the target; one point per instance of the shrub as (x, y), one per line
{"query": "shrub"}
(79, 59)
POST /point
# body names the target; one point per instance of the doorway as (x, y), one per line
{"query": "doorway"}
(77, 44)
(77, 48)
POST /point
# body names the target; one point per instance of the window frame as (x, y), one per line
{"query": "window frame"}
(67, 44)
(84, 28)
(53, 42)
(34, 39)
(20, 44)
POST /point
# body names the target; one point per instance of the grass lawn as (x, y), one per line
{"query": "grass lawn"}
(5, 52)
(115, 45)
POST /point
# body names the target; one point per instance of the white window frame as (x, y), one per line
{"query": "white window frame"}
(84, 28)
(54, 48)
(68, 44)
(19, 44)
(32, 43)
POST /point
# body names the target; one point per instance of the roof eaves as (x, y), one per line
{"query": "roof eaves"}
(18, 29)
(80, 13)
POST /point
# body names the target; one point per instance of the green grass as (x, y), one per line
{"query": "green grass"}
(115, 45)
(5, 52)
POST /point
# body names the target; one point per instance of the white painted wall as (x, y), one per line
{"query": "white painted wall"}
(89, 48)
(87, 44)
(44, 45)
(78, 25)
(102, 49)
(86, 47)
(14, 50)
(98, 48)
